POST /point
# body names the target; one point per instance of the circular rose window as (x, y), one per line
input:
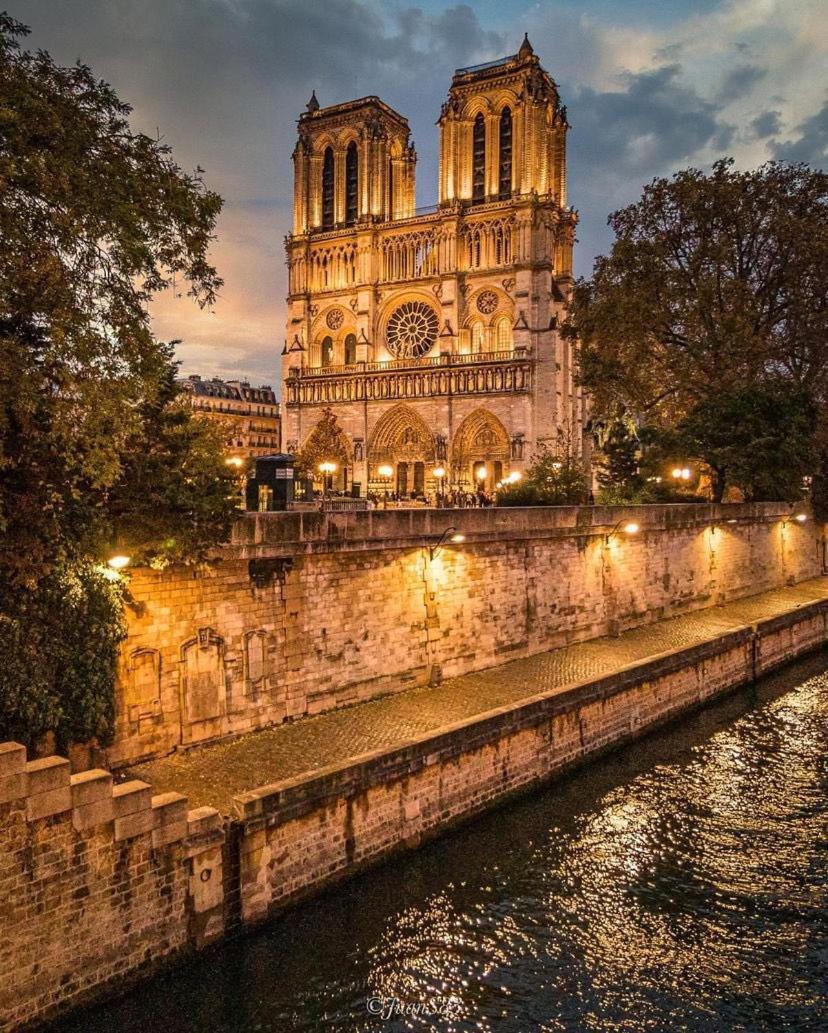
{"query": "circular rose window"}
(334, 319)
(411, 330)
(486, 302)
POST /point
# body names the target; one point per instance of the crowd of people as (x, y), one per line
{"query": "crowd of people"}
(456, 498)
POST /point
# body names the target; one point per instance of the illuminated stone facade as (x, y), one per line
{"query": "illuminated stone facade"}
(433, 335)
(250, 414)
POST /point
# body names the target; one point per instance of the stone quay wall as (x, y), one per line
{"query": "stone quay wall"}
(309, 611)
(300, 836)
(101, 885)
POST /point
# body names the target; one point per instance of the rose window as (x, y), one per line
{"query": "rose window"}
(411, 330)
(334, 319)
(486, 302)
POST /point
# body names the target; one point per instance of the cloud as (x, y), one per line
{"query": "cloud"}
(766, 125)
(223, 81)
(811, 143)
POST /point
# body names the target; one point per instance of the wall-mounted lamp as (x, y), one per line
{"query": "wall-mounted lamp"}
(629, 527)
(800, 518)
(451, 534)
(119, 561)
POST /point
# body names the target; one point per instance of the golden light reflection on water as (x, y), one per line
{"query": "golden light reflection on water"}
(688, 891)
(683, 887)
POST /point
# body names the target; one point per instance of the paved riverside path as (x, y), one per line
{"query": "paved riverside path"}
(214, 774)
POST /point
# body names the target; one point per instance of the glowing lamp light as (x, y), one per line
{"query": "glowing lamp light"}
(385, 470)
(327, 467)
(801, 517)
(457, 538)
(631, 528)
(514, 477)
(236, 461)
(439, 472)
(481, 473)
(119, 561)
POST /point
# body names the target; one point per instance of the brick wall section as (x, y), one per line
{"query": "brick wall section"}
(301, 835)
(100, 885)
(97, 884)
(348, 606)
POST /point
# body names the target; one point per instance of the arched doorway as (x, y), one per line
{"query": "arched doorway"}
(326, 443)
(480, 452)
(402, 442)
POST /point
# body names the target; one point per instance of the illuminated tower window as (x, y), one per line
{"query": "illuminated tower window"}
(504, 334)
(328, 189)
(327, 351)
(350, 350)
(505, 178)
(477, 338)
(479, 159)
(390, 189)
(351, 183)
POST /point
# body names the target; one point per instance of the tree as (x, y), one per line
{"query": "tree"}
(94, 220)
(556, 477)
(326, 444)
(714, 282)
(618, 469)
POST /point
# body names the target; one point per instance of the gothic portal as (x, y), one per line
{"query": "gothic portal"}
(432, 335)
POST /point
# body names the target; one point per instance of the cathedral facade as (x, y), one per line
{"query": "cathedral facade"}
(433, 335)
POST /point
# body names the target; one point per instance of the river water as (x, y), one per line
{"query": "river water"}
(680, 884)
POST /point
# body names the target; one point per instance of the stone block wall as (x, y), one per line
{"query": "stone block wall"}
(306, 611)
(301, 835)
(98, 883)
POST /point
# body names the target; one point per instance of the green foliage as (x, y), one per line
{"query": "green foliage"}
(555, 477)
(758, 438)
(325, 445)
(714, 282)
(60, 651)
(618, 463)
(94, 449)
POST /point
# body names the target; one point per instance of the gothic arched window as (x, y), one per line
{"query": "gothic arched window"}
(477, 337)
(350, 350)
(390, 189)
(504, 334)
(327, 351)
(351, 183)
(505, 175)
(479, 159)
(328, 188)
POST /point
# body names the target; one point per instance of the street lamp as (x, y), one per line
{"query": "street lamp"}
(451, 534)
(119, 561)
(385, 472)
(681, 473)
(327, 469)
(439, 472)
(514, 477)
(629, 528)
(235, 461)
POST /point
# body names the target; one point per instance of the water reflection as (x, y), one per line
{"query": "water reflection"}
(679, 886)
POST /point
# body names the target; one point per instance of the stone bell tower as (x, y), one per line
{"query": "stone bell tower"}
(433, 337)
(352, 162)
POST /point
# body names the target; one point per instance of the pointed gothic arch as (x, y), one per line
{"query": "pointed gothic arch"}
(402, 441)
(480, 443)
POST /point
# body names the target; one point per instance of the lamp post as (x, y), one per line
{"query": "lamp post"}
(451, 534)
(327, 469)
(386, 472)
(439, 472)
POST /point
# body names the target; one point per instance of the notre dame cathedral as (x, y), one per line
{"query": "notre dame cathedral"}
(432, 334)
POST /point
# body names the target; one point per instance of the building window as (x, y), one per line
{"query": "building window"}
(504, 334)
(351, 183)
(327, 351)
(505, 177)
(479, 159)
(328, 188)
(390, 189)
(350, 350)
(477, 337)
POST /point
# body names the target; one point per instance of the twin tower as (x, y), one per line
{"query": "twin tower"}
(432, 335)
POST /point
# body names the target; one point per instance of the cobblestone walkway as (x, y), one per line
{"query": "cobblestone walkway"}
(214, 774)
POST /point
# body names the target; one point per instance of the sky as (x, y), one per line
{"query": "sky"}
(651, 86)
